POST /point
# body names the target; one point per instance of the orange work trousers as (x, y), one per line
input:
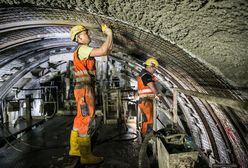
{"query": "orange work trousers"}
(85, 109)
(146, 107)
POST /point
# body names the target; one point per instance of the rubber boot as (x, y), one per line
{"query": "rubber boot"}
(74, 147)
(85, 150)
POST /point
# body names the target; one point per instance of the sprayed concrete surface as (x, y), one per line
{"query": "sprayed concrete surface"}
(214, 31)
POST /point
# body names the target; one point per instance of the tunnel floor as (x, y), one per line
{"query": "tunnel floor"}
(47, 146)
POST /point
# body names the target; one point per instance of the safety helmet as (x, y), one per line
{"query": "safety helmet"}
(75, 30)
(151, 62)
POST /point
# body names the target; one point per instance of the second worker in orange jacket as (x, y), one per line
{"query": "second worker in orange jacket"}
(147, 91)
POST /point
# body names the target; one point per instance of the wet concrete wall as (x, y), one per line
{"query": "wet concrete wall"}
(214, 31)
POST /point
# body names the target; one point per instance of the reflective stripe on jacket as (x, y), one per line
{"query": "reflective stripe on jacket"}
(84, 70)
(144, 91)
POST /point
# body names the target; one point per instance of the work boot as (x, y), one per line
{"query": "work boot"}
(74, 148)
(85, 150)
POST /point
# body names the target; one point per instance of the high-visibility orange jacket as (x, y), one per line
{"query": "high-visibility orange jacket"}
(84, 74)
(146, 105)
(84, 70)
(143, 90)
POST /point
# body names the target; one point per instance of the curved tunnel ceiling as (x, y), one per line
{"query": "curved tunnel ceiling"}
(29, 38)
(213, 31)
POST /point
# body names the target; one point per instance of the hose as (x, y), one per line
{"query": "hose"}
(120, 139)
(6, 140)
(53, 114)
(26, 144)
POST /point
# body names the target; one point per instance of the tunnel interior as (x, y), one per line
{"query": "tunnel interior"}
(36, 55)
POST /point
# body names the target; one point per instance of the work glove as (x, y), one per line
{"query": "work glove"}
(158, 97)
(106, 30)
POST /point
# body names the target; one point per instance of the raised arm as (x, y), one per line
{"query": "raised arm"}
(106, 46)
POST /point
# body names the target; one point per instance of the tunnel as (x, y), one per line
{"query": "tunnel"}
(201, 47)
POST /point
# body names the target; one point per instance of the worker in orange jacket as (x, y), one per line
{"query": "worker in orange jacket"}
(84, 74)
(147, 91)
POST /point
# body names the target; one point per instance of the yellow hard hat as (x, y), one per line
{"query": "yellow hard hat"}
(151, 62)
(75, 30)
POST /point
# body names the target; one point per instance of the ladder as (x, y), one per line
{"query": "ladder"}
(111, 99)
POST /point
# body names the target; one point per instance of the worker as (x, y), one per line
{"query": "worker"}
(147, 91)
(84, 74)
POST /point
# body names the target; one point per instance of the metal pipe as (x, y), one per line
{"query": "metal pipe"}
(174, 107)
(215, 99)
(224, 165)
(155, 115)
(142, 152)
